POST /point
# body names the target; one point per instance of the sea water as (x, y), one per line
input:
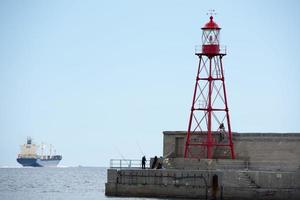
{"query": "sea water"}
(68, 183)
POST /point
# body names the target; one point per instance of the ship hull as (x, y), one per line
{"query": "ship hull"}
(28, 162)
(36, 162)
(47, 163)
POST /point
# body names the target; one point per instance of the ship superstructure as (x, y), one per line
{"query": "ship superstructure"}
(29, 155)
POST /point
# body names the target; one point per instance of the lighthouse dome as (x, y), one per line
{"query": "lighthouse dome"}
(211, 24)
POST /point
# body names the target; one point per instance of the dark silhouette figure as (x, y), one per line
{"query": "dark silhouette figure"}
(154, 162)
(221, 131)
(159, 166)
(144, 162)
(215, 186)
(222, 127)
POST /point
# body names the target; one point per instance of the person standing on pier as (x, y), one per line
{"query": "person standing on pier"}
(144, 162)
(154, 163)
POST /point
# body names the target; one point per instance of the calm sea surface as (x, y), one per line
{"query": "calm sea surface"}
(71, 183)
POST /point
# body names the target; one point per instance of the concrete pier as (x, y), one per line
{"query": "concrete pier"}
(161, 183)
(198, 184)
(267, 167)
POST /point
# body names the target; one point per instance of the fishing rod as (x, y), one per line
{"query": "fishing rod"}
(140, 149)
(123, 158)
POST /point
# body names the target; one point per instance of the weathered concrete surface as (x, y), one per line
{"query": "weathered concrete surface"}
(223, 164)
(162, 183)
(232, 193)
(203, 164)
(267, 167)
(232, 184)
(165, 191)
(264, 147)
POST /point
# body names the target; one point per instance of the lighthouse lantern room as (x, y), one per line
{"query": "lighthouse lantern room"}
(210, 37)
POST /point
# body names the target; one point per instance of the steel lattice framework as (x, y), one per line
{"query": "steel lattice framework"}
(209, 130)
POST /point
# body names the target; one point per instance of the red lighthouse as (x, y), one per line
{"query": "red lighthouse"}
(209, 131)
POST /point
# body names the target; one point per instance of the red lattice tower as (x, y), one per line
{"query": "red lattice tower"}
(209, 131)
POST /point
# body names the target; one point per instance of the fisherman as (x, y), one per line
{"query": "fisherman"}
(221, 131)
(222, 127)
(154, 162)
(144, 162)
(159, 166)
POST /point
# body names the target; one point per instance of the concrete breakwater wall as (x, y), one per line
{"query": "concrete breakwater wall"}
(162, 183)
(263, 185)
(253, 147)
(203, 184)
(226, 164)
(267, 166)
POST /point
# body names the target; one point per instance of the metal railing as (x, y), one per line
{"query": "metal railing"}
(127, 163)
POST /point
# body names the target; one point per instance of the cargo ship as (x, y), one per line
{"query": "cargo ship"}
(29, 157)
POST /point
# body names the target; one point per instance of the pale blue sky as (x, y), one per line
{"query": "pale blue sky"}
(97, 77)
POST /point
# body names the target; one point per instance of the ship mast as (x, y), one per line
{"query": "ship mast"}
(50, 150)
(42, 150)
